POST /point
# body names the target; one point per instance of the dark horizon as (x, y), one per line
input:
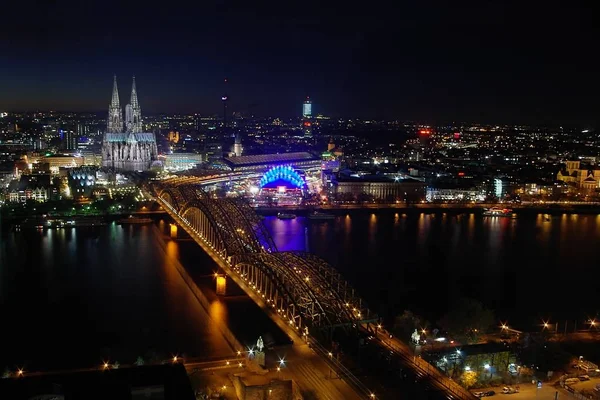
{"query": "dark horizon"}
(434, 123)
(484, 62)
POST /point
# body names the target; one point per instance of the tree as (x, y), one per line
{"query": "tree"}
(139, 362)
(468, 379)
(467, 319)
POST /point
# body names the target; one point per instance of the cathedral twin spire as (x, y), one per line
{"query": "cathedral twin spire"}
(133, 112)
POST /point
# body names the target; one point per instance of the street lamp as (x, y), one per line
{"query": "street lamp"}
(20, 372)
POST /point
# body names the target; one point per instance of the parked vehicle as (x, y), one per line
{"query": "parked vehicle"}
(479, 394)
(509, 390)
(490, 393)
(570, 381)
(584, 378)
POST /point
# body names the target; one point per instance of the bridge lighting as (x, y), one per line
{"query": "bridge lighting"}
(105, 365)
(20, 372)
(174, 359)
(239, 353)
(240, 365)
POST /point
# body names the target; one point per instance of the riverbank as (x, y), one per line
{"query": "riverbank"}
(552, 209)
(73, 221)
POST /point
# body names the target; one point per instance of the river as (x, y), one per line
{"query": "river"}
(76, 297)
(527, 269)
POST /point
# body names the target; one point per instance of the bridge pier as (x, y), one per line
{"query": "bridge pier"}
(173, 231)
(221, 280)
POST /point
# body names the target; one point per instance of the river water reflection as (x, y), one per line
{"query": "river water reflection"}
(73, 297)
(529, 268)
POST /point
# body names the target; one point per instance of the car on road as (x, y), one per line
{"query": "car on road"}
(584, 378)
(484, 394)
(509, 390)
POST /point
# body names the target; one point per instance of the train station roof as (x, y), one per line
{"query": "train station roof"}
(266, 159)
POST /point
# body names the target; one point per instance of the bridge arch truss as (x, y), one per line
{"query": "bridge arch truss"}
(302, 288)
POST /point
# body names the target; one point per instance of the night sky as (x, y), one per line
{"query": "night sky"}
(436, 61)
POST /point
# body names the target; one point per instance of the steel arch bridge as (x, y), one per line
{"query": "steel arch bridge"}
(302, 288)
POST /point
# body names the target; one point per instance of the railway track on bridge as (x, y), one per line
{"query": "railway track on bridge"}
(303, 293)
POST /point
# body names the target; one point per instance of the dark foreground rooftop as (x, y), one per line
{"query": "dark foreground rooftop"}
(155, 382)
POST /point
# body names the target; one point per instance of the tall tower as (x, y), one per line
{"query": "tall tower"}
(307, 108)
(225, 99)
(115, 116)
(237, 145)
(306, 117)
(133, 112)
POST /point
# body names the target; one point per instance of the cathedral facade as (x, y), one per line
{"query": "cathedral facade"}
(125, 146)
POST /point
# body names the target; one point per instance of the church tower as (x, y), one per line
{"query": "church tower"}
(237, 145)
(115, 116)
(133, 112)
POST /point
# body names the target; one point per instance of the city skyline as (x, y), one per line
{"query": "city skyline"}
(484, 62)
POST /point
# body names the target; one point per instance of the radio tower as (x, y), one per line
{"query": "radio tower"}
(225, 99)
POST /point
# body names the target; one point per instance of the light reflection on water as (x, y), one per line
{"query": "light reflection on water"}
(422, 261)
(112, 287)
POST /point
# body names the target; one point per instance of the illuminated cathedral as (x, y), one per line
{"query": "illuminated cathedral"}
(125, 146)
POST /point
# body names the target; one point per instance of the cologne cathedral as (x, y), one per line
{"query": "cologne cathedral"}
(125, 146)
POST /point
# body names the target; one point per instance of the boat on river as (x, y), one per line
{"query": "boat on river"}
(320, 216)
(286, 216)
(499, 212)
(134, 220)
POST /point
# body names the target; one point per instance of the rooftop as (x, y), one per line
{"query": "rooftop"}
(270, 159)
(374, 178)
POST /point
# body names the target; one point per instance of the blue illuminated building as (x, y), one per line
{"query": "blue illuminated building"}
(281, 185)
(282, 175)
